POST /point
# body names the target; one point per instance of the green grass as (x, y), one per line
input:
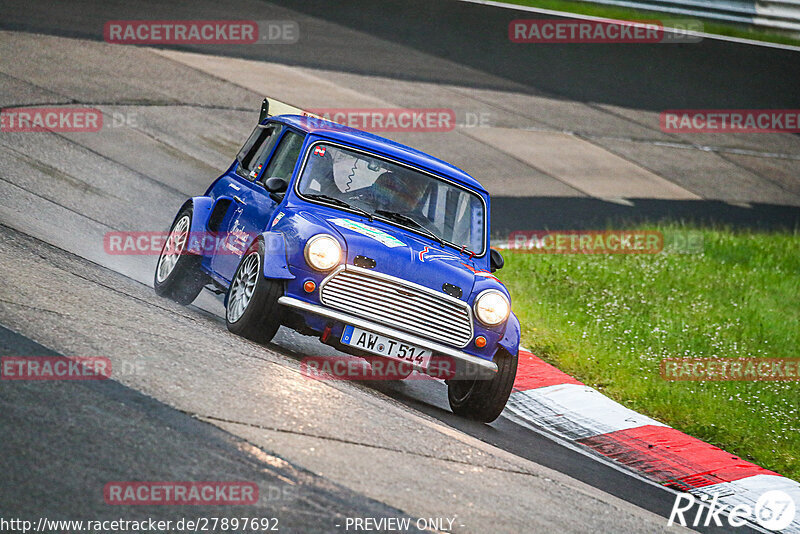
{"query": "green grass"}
(609, 320)
(622, 13)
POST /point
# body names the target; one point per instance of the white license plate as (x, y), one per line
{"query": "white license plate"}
(386, 346)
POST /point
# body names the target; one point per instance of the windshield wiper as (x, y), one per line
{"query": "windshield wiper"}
(399, 217)
(341, 203)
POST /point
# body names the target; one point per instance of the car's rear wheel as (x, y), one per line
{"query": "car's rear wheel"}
(484, 400)
(251, 308)
(178, 274)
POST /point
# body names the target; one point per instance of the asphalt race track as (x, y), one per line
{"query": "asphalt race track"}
(190, 401)
(163, 440)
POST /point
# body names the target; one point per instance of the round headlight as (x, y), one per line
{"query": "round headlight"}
(492, 307)
(323, 252)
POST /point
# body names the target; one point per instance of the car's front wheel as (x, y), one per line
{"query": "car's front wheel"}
(484, 400)
(252, 309)
(178, 275)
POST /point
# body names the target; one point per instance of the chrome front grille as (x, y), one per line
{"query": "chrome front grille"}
(399, 304)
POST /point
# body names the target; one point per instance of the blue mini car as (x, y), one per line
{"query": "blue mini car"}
(379, 249)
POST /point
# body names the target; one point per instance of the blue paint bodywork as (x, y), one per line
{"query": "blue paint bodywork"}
(239, 203)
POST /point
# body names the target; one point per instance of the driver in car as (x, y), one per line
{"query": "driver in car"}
(365, 183)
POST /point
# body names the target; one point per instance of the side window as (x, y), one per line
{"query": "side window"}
(257, 149)
(285, 156)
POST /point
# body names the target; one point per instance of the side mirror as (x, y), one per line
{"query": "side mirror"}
(496, 260)
(277, 188)
(276, 185)
(264, 111)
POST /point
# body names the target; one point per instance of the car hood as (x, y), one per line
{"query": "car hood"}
(405, 254)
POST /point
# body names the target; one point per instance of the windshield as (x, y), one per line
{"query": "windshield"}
(382, 188)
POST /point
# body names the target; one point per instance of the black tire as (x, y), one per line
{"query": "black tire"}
(185, 279)
(484, 400)
(261, 315)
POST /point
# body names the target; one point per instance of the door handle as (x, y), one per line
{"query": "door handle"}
(238, 200)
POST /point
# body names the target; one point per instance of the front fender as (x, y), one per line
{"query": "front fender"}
(201, 211)
(510, 340)
(275, 264)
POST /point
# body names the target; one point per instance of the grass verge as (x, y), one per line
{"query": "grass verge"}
(609, 320)
(622, 13)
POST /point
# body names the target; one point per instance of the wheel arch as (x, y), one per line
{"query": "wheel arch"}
(201, 210)
(276, 265)
(511, 337)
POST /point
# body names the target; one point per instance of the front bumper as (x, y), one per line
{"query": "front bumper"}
(469, 366)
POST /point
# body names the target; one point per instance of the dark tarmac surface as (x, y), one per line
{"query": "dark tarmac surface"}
(361, 449)
(64, 440)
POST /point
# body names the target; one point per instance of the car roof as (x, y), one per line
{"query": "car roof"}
(381, 145)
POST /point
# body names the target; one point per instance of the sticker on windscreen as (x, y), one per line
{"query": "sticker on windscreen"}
(369, 231)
